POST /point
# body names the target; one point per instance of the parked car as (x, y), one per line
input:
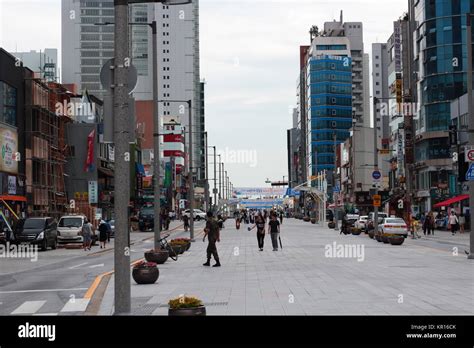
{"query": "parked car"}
(392, 225)
(42, 231)
(361, 223)
(370, 220)
(3, 236)
(198, 214)
(146, 218)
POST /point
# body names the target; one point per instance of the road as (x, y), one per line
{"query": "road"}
(56, 283)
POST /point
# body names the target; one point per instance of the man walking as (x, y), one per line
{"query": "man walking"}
(212, 232)
(274, 230)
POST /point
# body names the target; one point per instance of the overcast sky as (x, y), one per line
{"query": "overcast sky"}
(249, 59)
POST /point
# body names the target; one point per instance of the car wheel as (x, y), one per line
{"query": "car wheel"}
(44, 245)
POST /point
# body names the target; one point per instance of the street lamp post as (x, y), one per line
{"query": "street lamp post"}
(190, 174)
(470, 125)
(206, 192)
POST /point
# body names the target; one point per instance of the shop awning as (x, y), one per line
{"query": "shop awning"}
(451, 201)
(13, 198)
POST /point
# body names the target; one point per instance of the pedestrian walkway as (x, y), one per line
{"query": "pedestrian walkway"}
(51, 308)
(302, 279)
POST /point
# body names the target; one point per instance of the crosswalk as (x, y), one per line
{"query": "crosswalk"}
(74, 306)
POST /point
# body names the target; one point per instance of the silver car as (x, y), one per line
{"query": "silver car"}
(393, 226)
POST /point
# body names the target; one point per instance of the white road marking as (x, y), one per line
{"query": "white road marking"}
(45, 314)
(82, 264)
(95, 266)
(29, 307)
(40, 290)
(76, 305)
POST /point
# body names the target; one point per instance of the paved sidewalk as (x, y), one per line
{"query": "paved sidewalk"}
(301, 280)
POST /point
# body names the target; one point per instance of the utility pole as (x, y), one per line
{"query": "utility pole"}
(470, 127)
(191, 174)
(122, 160)
(156, 142)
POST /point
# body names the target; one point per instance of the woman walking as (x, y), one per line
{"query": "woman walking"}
(274, 231)
(462, 222)
(453, 222)
(103, 233)
(260, 225)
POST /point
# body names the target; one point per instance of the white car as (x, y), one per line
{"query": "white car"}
(198, 214)
(393, 225)
(70, 227)
(361, 224)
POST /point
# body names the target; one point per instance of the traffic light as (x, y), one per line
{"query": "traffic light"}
(453, 135)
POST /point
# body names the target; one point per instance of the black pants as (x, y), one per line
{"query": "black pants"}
(212, 250)
(260, 239)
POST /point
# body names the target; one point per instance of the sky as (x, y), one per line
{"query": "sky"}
(249, 60)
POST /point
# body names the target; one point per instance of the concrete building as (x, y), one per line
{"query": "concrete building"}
(43, 63)
(86, 47)
(293, 151)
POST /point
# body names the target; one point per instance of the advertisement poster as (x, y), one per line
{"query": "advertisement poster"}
(9, 148)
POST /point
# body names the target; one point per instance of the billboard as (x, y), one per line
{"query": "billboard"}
(9, 149)
(259, 191)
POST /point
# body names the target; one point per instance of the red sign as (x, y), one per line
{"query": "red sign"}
(173, 138)
(89, 165)
(173, 153)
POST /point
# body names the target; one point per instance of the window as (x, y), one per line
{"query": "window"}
(8, 101)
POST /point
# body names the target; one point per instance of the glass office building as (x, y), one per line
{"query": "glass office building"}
(442, 56)
(329, 108)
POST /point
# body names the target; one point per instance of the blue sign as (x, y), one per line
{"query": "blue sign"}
(376, 175)
(337, 189)
(470, 173)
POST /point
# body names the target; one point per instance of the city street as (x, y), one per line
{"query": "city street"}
(422, 276)
(59, 280)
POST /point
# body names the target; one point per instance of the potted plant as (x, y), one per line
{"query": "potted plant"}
(145, 272)
(185, 306)
(184, 241)
(396, 239)
(306, 219)
(158, 256)
(179, 245)
(356, 231)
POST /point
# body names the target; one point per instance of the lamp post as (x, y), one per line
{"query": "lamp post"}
(470, 125)
(190, 174)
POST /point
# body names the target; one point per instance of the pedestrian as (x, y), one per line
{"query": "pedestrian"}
(426, 223)
(186, 222)
(274, 231)
(432, 223)
(109, 231)
(220, 222)
(453, 222)
(103, 233)
(281, 217)
(237, 222)
(462, 222)
(212, 233)
(260, 225)
(86, 233)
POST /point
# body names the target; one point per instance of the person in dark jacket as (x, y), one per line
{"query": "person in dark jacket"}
(212, 232)
(103, 233)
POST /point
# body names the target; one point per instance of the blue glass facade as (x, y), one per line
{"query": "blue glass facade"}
(329, 108)
(440, 38)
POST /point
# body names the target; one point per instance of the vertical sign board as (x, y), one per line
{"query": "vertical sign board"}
(93, 192)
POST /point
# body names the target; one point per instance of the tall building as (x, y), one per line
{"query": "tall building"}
(440, 53)
(86, 47)
(43, 63)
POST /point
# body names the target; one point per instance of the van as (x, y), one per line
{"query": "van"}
(40, 231)
(70, 227)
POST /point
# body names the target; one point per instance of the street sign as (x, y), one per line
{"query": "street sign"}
(376, 175)
(377, 200)
(470, 173)
(107, 76)
(469, 155)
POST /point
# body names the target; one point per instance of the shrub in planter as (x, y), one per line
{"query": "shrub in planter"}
(396, 240)
(186, 306)
(158, 256)
(356, 231)
(185, 242)
(145, 272)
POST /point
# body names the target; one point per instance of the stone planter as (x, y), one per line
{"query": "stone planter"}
(176, 248)
(188, 246)
(187, 312)
(313, 221)
(306, 219)
(396, 240)
(332, 225)
(146, 275)
(158, 257)
(356, 232)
